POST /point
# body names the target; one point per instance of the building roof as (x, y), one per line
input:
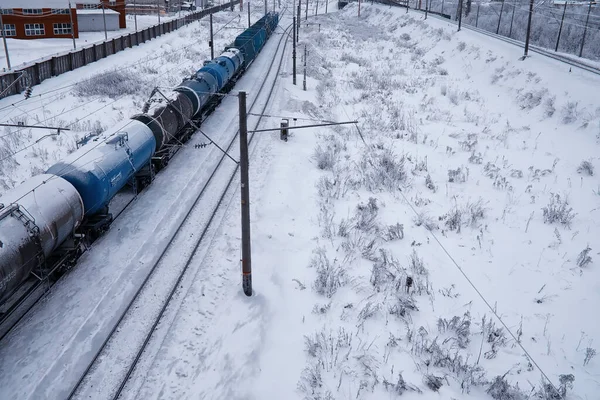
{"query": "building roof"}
(96, 12)
(44, 3)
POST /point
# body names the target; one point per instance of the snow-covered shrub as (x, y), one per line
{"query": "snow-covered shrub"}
(586, 168)
(382, 169)
(416, 264)
(531, 99)
(583, 259)
(426, 221)
(548, 392)
(500, 389)
(454, 219)
(433, 382)
(459, 326)
(589, 354)
(429, 183)
(366, 216)
(569, 112)
(386, 272)
(330, 277)
(400, 386)
(457, 175)
(558, 211)
(461, 46)
(112, 84)
(549, 108)
(326, 157)
(393, 232)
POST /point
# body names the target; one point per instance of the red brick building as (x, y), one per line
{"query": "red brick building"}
(40, 19)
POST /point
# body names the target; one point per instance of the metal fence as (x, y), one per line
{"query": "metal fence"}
(38, 72)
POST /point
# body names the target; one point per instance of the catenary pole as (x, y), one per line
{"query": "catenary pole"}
(298, 21)
(212, 43)
(528, 28)
(561, 25)
(4, 39)
(306, 11)
(500, 17)
(72, 28)
(135, 13)
(512, 18)
(460, 11)
(294, 50)
(305, 56)
(585, 29)
(245, 192)
(104, 20)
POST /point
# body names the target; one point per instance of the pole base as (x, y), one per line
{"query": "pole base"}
(247, 284)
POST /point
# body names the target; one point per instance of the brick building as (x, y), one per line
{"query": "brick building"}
(40, 19)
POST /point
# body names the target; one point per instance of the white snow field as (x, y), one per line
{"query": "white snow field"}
(472, 173)
(23, 52)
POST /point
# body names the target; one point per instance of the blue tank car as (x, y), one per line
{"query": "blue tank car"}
(98, 172)
(199, 90)
(236, 57)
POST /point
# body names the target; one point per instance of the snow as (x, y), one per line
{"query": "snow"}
(97, 12)
(450, 120)
(23, 52)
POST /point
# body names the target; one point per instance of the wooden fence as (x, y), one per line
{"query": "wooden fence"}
(38, 72)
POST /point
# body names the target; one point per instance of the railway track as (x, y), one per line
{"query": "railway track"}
(108, 373)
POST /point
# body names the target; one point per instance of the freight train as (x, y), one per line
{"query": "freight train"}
(47, 222)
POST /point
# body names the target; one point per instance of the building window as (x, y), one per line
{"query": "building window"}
(32, 11)
(7, 11)
(62, 29)
(90, 6)
(60, 11)
(34, 30)
(10, 30)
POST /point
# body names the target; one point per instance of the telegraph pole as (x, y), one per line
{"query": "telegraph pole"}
(249, 16)
(212, 44)
(4, 38)
(426, 8)
(358, 8)
(561, 25)
(135, 14)
(294, 50)
(245, 191)
(72, 31)
(104, 19)
(158, 9)
(266, 11)
(585, 29)
(528, 28)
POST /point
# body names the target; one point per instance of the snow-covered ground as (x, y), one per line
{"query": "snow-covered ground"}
(458, 178)
(464, 144)
(23, 52)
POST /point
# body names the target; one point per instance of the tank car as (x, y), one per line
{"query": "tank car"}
(99, 172)
(35, 218)
(199, 89)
